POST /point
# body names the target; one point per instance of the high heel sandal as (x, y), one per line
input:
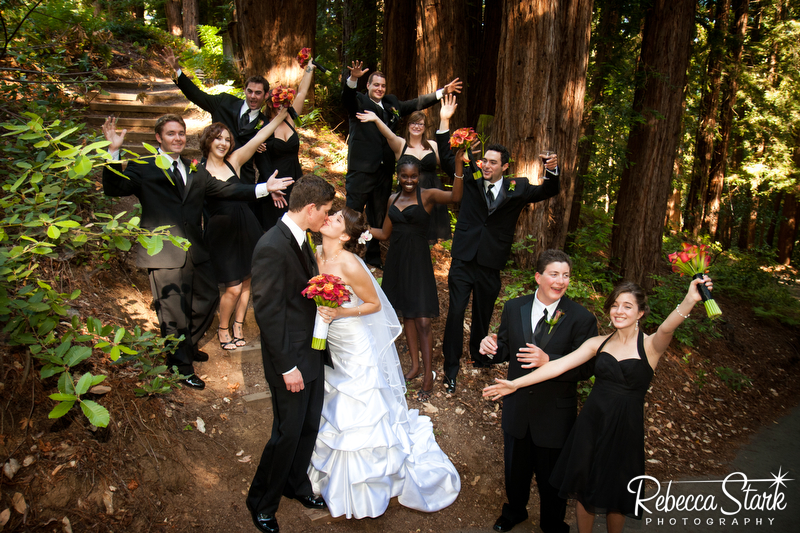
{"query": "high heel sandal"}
(226, 345)
(239, 341)
(425, 395)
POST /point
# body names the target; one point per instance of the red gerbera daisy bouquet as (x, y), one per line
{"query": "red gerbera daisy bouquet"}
(694, 261)
(281, 96)
(327, 290)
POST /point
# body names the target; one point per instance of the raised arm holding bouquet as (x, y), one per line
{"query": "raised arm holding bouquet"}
(605, 449)
(694, 262)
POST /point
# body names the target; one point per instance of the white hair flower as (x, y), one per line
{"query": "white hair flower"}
(365, 237)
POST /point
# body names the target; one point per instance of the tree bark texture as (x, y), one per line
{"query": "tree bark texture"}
(360, 36)
(541, 84)
(441, 56)
(776, 214)
(652, 143)
(399, 45)
(707, 128)
(788, 228)
(730, 86)
(174, 17)
(191, 18)
(481, 99)
(270, 36)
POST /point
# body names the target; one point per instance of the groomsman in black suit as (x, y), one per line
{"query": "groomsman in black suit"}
(243, 117)
(482, 241)
(184, 289)
(537, 419)
(283, 262)
(370, 160)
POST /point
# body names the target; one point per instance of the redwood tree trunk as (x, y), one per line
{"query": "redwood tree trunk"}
(644, 187)
(174, 17)
(440, 55)
(270, 35)
(788, 228)
(707, 128)
(541, 84)
(191, 18)
(399, 42)
(360, 36)
(731, 85)
(480, 73)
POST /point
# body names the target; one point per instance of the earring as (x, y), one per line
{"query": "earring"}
(637, 324)
(610, 323)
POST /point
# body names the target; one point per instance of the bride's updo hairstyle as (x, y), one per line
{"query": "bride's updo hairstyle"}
(635, 290)
(355, 224)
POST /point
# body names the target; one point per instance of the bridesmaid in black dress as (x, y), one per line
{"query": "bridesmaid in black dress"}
(283, 149)
(408, 279)
(232, 231)
(605, 449)
(415, 144)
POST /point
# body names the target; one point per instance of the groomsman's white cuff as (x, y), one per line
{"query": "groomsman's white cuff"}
(178, 73)
(352, 83)
(262, 191)
(115, 155)
(439, 94)
(442, 131)
(290, 371)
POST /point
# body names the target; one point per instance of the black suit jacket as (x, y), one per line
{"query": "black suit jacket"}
(226, 108)
(548, 408)
(286, 318)
(164, 205)
(367, 147)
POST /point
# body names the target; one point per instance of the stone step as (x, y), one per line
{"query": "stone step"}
(143, 82)
(146, 124)
(147, 97)
(136, 107)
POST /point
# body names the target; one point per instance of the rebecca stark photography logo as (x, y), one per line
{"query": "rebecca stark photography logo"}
(733, 501)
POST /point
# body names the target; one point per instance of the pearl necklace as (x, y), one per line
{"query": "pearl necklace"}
(326, 261)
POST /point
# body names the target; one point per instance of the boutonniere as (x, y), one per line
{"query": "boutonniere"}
(559, 314)
(511, 186)
(260, 124)
(311, 242)
(193, 165)
(396, 112)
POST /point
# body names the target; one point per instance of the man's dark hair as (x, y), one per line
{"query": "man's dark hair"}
(163, 119)
(258, 79)
(310, 189)
(552, 256)
(378, 74)
(505, 155)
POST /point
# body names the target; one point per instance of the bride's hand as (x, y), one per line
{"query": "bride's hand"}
(328, 314)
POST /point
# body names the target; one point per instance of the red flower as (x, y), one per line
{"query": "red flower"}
(304, 56)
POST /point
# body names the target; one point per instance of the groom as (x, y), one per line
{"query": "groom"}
(537, 419)
(283, 262)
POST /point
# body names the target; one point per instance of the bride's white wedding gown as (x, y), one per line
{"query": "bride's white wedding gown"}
(371, 447)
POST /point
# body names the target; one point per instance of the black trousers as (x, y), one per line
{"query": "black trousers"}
(523, 458)
(370, 190)
(483, 283)
(283, 469)
(185, 299)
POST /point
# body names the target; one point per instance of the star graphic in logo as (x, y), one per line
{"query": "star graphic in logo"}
(780, 478)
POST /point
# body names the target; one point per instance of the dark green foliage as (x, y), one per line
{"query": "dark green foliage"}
(734, 380)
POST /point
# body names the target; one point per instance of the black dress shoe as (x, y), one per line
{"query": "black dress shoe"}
(194, 382)
(263, 521)
(504, 524)
(200, 356)
(449, 385)
(480, 364)
(310, 502)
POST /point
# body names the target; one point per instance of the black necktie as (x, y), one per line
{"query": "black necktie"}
(312, 261)
(244, 120)
(539, 331)
(176, 175)
(490, 192)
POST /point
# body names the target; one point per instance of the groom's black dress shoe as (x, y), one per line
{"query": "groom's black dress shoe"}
(449, 385)
(200, 356)
(310, 502)
(194, 382)
(504, 524)
(264, 522)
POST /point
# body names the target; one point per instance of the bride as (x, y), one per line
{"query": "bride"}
(370, 447)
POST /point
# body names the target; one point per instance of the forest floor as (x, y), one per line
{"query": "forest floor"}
(183, 462)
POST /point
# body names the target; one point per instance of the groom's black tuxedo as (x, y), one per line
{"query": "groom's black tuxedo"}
(184, 289)
(537, 419)
(370, 160)
(281, 270)
(227, 108)
(482, 242)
